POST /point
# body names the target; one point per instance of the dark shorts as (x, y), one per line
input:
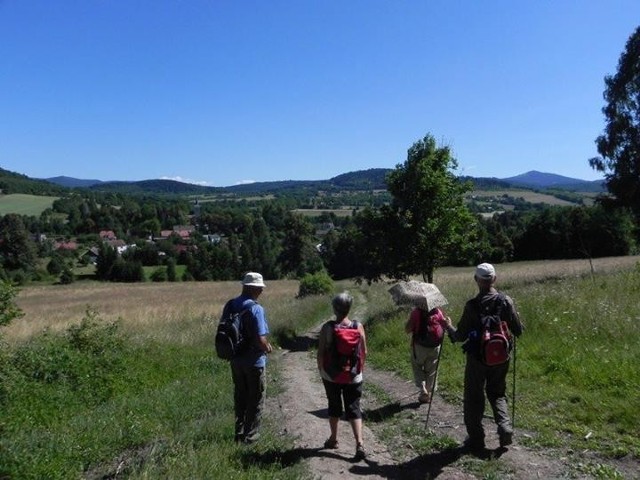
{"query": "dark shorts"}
(340, 394)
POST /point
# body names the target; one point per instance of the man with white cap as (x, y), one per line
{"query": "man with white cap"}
(480, 377)
(248, 367)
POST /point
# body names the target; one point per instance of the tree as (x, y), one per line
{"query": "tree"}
(56, 265)
(299, 255)
(171, 270)
(619, 145)
(106, 259)
(17, 251)
(8, 309)
(427, 217)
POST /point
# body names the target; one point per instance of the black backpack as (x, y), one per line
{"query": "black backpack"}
(495, 337)
(231, 337)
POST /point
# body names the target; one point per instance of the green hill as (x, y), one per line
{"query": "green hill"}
(11, 182)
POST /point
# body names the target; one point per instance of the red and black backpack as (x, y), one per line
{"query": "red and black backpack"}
(345, 358)
(494, 334)
(428, 331)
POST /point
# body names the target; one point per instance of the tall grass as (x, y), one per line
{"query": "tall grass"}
(576, 363)
(131, 386)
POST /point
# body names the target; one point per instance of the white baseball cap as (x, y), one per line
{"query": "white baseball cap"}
(485, 271)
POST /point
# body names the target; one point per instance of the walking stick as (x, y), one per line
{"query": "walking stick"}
(513, 394)
(433, 388)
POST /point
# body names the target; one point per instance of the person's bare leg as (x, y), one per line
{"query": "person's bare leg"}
(333, 425)
(356, 426)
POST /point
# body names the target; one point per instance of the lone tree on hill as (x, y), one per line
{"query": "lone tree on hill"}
(619, 145)
(427, 219)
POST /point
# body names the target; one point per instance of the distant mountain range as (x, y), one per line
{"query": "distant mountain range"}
(535, 179)
(371, 179)
(361, 180)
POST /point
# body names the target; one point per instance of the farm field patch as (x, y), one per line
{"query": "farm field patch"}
(23, 204)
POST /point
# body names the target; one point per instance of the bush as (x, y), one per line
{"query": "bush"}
(67, 277)
(87, 359)
(159, 275)
(319, 283)
(55, 265)
(8, 309)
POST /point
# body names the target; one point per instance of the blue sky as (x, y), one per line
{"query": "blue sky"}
(221, 92)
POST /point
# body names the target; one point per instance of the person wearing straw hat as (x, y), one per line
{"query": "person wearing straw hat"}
(480, 377)
(248, 368)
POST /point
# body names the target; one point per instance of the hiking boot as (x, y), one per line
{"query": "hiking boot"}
(506, 438)
(474, 444)
(360, 453)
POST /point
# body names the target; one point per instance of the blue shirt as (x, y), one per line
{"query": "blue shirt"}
(257, 327)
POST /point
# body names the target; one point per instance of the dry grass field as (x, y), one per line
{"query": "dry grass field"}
(316, 212)
(534, 271)
(526, 195)
(163, 306)
(141, 307)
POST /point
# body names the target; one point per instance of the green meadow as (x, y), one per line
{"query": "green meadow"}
(22, 204)
(112, 380)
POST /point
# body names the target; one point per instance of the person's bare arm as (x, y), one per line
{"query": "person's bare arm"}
(264, 344)
(364, 337)
(321, 349)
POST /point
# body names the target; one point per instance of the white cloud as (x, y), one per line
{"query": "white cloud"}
(187, 180)
(245, 182)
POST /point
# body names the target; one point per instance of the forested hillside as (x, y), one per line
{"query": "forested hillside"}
(167, 230)
(11, 182)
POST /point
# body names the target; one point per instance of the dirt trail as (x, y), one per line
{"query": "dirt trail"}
(301, 412)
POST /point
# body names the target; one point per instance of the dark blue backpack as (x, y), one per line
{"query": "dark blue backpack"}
(231, 338)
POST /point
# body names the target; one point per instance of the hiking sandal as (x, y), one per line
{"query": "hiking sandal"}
(330, 443)
(424, 398)
(360, 453)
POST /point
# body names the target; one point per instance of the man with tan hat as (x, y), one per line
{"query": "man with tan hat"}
(480, 375)
(248, 367)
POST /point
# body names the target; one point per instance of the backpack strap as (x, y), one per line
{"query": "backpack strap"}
(244, 308)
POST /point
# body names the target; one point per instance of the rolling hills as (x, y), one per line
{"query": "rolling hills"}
(363, 180)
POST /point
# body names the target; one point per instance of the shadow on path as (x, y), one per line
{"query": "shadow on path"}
(423, 467)
(288, 458)
(385, 412)
(299, 343)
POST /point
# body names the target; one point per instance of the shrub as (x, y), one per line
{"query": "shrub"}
(159, 275)
(8, 309)
(55, 265)
(319, 283)
(87, 359)
(67, 277)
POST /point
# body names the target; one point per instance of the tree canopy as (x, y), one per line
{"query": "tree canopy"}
(619, 145)
(427, 216)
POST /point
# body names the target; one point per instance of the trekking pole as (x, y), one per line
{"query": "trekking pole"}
(433, 388)
(513, 394)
